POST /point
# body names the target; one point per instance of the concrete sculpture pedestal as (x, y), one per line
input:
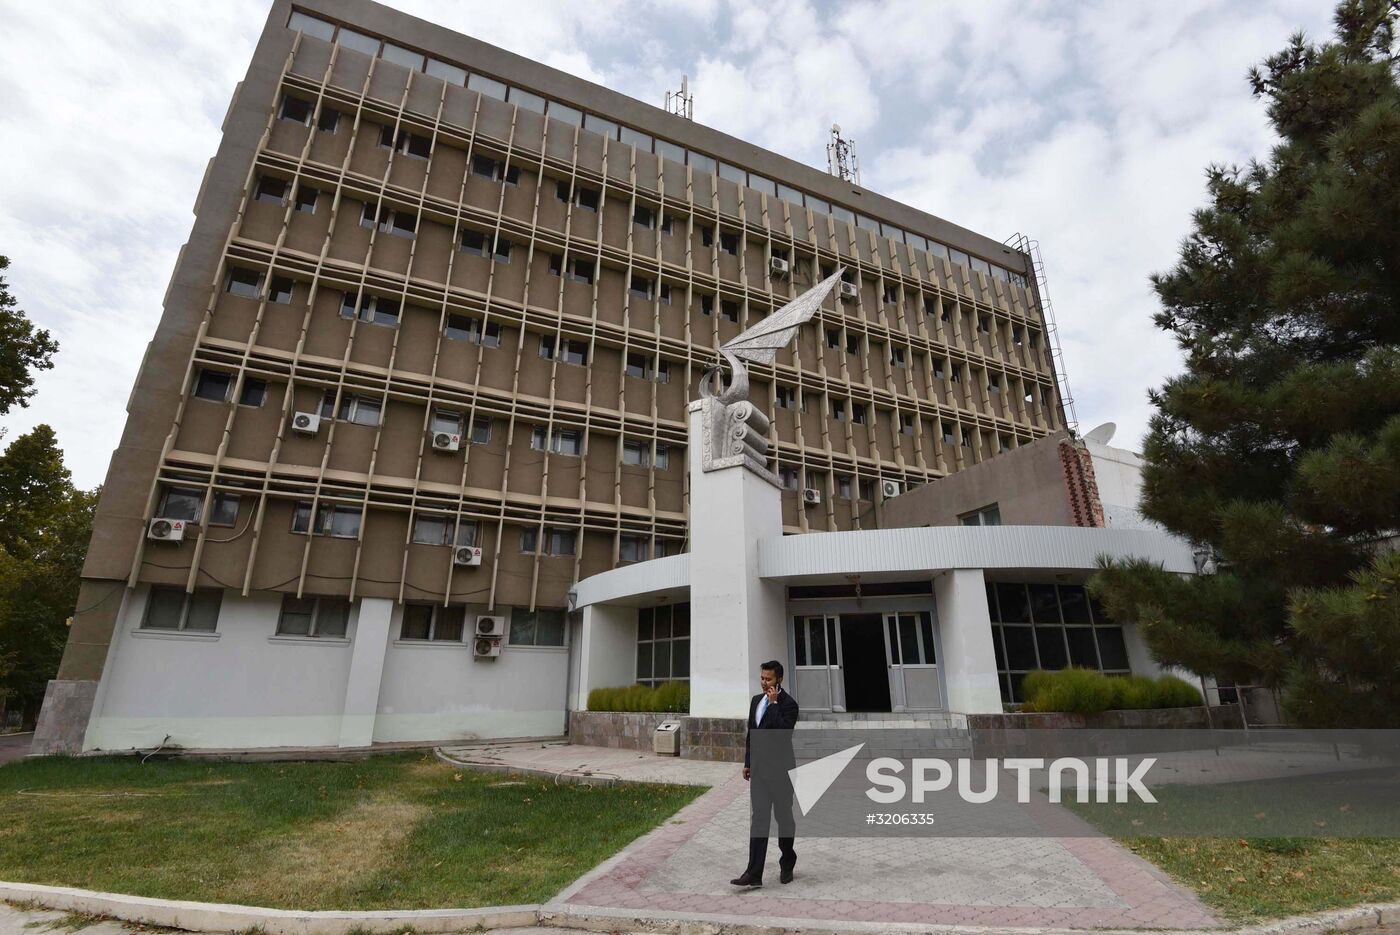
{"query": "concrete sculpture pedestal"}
(736, 618)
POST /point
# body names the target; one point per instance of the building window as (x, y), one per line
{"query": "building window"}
(852, 344)
(986, 516)
(438, 529)
(891, 295)
(729, 311)
(445, 420)
(644, 216)
(663, 644)
(642, 287)
(707, 305)
(279, 290)
(324, 617)
(246, 283)
(271, 190)
(838, 410)
(631, 549)
(639, 453)
(307, 198)
(947, 433)
(812, 637)
(897, 357)
(338, 520)
(301, 22)
(966, 439)
(586, 198)
(375, 309)
(938, 369)
(858, 413)
(668, 224)
(409, 144)
(170, 608)
(561, 441)
(329, 121)
(361, 410)
(557, 541)
(481, 430)
(645, 367)
(843, 486)
(1047, 626)
(213, 385)
(568, 350)
(465, 328)
(396, 221)
(223, 510)
(707, 235)
(540, 627)
(785, 397)
(295, 109)
(474, 242)
(906, 424)
(254, 392)
(994, 383)
(866, 489)
(495, 170)
(729, 243)
(788, 476)
(665, 293)
(181, 503)
(433, 622)
(911, 638)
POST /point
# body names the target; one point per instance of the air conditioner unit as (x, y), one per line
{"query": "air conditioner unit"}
(780, 266)
(491, 626)
(486, 647)
(308, 423)
(446, 441)
(467, 555)
(849, 290)
(890, 488)
(811, 496)
(166, 530)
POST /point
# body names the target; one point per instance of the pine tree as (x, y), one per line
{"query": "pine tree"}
(1279, 447)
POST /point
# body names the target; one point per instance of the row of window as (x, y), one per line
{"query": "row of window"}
(173, 609)
(594, 123)
(343, 521)
(663, 644)
(1049, 626)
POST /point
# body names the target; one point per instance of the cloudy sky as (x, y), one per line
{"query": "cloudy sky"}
(1086, 124)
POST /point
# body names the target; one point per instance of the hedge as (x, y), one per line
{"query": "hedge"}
(1088, 691)
(667, 697)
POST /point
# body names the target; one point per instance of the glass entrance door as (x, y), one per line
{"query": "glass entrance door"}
(816, 674)
(913, 661)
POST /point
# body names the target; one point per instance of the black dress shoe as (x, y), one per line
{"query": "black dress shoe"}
(747, 879)
(785, 876)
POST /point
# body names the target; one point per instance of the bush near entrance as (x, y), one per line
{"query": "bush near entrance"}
(1087, 691)
(668, 697)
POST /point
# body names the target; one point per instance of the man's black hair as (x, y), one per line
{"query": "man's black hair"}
(774, 666)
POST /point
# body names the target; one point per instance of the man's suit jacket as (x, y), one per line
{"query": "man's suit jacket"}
(780, 716)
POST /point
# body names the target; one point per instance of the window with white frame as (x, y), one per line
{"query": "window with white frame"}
(337, 520)
(539, 627)
(566, 350)
(560, 441)
(397, 221)
(379, 310)
(316, 617)
(557, 540)
(663, 644)
(445, 420)
(354, 407)
(444, 529)
(433, 623)
(174, 609)
(986, 516)
(466, 328)
(406, 143)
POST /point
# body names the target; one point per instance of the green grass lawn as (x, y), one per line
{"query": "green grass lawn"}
(1245, 880)
(390, 832)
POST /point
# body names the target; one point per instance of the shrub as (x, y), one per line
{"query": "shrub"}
(1173, 692)
(1133, 692)
(668, 696)
(1072, 690)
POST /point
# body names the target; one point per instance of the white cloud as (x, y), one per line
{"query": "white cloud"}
(1087, 125)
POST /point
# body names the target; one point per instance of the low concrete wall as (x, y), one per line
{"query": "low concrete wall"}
(1221, 716)
(702, 738)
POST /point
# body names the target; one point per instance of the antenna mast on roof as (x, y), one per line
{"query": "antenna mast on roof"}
(682, 102)
(841, 158)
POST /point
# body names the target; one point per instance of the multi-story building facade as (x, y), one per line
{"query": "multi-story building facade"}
(437, 298)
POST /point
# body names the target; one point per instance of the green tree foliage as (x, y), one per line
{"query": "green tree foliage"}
(23, 349)
(45, 524)
(1279, 447)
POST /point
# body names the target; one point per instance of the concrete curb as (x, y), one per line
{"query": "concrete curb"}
(490, 766)
(218, 917)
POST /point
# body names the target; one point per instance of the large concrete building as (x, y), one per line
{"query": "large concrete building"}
(426, 357)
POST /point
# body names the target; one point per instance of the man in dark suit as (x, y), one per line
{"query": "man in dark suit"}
(766, 763)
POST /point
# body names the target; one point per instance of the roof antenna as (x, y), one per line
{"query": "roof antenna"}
(841, 158)
(682, 102)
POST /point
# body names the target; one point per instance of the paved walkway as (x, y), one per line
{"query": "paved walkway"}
(684, 867)
(15, 746)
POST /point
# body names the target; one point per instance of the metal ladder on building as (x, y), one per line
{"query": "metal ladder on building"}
(1031, 248)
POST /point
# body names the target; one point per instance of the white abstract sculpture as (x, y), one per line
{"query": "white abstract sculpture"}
(735, 431)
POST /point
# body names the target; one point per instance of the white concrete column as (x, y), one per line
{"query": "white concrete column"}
(607, 652)
(736, 618)
(375, 620)
(969, 665)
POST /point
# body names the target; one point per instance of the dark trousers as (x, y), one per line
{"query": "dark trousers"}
(770, 796)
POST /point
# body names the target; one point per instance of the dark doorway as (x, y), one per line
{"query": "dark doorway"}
(864, 668)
